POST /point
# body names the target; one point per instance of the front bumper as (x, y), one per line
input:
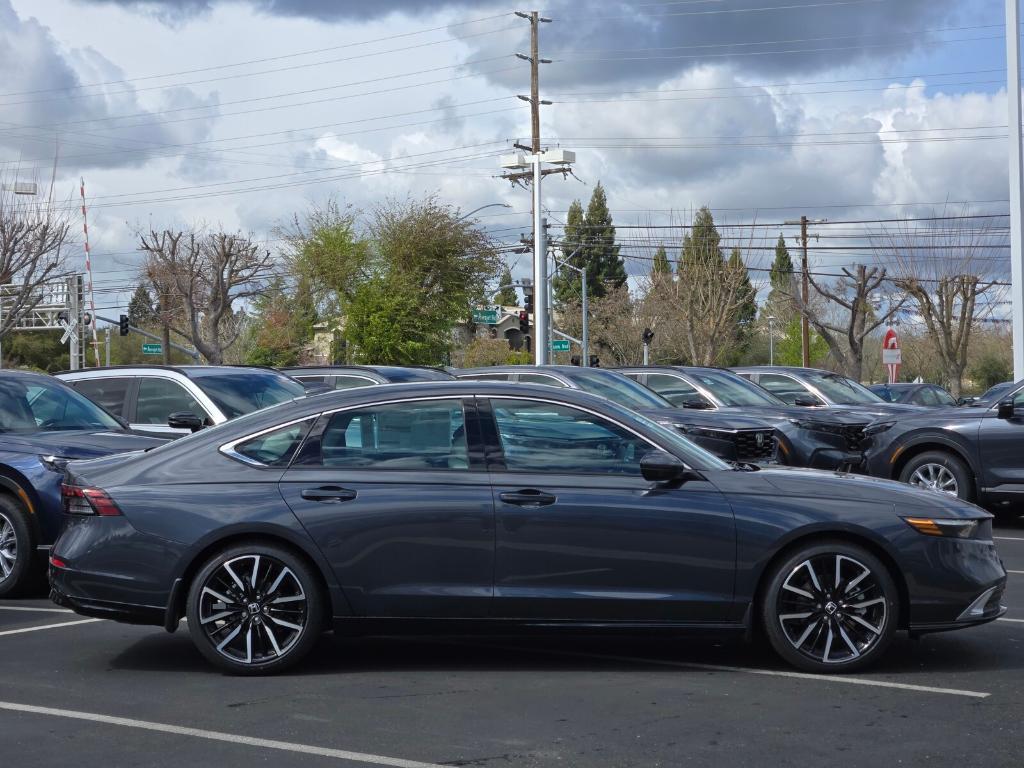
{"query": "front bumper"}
(987, 607)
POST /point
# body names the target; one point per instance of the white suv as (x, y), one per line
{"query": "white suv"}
(172, 401)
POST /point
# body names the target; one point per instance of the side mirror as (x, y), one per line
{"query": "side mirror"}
(1005, 409)
(663, 467)
(806, 401)
(697, 403)
(185, 420)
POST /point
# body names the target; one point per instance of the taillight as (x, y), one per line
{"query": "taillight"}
(87, 501)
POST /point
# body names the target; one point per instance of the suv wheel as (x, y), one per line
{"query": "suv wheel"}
(16, 548)
(940, 471)
(255, 609)
(830, 607)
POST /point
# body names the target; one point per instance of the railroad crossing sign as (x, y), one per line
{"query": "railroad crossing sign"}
(70, 327)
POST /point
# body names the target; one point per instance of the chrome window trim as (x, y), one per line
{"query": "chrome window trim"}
(228, 449)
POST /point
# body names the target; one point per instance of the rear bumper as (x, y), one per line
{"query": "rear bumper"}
(101, 609)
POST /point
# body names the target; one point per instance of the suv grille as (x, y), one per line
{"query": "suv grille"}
(755, 444)
(854, 434)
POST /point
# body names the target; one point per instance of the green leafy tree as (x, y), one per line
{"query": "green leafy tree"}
(789, 349)
(506, 295)
(660, 267)
(779, 303)
(37, 350)
(590, 243)
(141, 311)
(275, 327)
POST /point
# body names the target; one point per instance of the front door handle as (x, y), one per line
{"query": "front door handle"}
(528, 498)
(331, 493)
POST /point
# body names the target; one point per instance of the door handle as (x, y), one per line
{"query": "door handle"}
(328, 493)
(528, 498)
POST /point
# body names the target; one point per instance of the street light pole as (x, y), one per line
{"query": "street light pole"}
(771, 340)
(1016, 184)
(482, 207)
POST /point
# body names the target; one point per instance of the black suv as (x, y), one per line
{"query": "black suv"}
(973, 452)
(730, 436)
(808, 437)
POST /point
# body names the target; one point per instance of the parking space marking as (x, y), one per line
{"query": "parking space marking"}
(1008, 538)
(230, 738)
(1016, 621)
(33, 610)
(1015, 571)
(48, 626)
(752, 671)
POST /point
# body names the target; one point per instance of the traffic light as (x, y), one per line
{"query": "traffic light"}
(528, 302)
(122, 325)
(648, 336)
(595, 361)
(524, 322)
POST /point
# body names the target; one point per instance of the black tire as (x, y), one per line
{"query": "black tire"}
(20, 574)
(273, 612)
(942, 467)
(829, 632)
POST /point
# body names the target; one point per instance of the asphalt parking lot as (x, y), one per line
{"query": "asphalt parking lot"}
(94, 693)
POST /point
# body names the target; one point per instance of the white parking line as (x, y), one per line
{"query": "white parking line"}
(47, 626)
(751, 671)
(1015, 571)
(231, 738)
(1015, 621)
(1008, 538)
(33, 610)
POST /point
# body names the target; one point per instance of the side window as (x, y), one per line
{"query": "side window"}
(543, 437)
(675, 390)
(275, 449)
(52, 407)
(783, 387)
(537, 378)
(159, 398)
(109, 394)
(312, 379)
(943, 397)
(425, 435)
(926, 396)
(351, 382)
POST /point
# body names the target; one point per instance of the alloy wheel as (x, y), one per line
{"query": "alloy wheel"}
(8, 547)
(832, 608)
(935, 477)
(253, 609)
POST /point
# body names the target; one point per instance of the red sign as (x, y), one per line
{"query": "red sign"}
(892, 356)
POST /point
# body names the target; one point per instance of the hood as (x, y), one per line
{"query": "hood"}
(813, 483)
(878, 410)
(721, 419)
(80, 444)
(938, 416)
(777, 413)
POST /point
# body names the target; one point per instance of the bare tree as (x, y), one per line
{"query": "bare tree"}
(203, 278)
(34, 237)
(846, 317)
(942, 271)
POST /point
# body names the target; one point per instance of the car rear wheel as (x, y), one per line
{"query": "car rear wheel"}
(16, 549)
(830, 607)
(255, 609)
(940, 471)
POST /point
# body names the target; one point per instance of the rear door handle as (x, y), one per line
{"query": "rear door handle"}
(528, 498)
(328, 493)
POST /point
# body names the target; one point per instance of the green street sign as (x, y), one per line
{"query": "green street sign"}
(560, 345)
(488, 316)
(152, 349)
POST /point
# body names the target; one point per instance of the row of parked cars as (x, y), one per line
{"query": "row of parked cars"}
(377, 498)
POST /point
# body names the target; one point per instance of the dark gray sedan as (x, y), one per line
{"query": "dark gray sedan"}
(472, 506)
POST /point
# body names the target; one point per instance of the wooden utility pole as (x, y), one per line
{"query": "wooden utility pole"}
(805, 331)
(535, 81)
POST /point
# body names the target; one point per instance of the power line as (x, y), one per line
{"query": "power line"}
(804, 6)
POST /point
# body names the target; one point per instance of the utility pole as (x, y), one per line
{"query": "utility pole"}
(74, 316)
(106, 334)
(1016, 184)
(165, 342)
(771, 340)
(805, 331)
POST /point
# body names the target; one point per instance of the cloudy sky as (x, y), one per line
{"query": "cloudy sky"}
(242, 113)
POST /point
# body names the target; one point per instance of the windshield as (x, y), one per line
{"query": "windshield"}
(41, 405)
(619, 389)
(840, 389)
(994, 393)
(247, 391)
(734, 391)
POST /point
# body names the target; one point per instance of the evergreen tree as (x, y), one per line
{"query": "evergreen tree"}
(702, 245)
(140, 308)
(660, 267)
(746, 312)
(779, 303)
(590, 242)
(506, 296)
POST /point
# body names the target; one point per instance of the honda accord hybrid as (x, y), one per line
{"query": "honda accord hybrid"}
(479, 506)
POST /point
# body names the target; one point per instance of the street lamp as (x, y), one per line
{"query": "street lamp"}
(771, 340)
(482, 207)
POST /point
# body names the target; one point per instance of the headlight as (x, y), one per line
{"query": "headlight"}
(878, 427)
(956, 528)
(55, 463)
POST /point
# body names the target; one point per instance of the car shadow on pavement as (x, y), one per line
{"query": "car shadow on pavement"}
(975, 650)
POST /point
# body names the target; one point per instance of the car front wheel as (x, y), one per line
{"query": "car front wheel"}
(940, 471)
(830, 607)
(16, 549)
(255, 609)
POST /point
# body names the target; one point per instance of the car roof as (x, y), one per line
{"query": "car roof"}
(793, 369)
(18, 373)
(185, 370)
(381, 371)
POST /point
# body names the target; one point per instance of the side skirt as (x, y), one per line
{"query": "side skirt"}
(355, 627)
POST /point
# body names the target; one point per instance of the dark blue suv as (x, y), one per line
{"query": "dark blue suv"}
(43, 424)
